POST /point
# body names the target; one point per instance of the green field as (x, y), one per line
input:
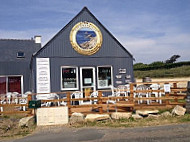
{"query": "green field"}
(183, 71)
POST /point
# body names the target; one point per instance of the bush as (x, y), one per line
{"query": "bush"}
(158, 65)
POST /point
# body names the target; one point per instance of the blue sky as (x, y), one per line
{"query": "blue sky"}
(152, 30)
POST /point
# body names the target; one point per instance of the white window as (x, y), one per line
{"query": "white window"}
(69, 78)
(104, 76)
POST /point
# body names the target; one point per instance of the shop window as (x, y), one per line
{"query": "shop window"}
(10, 84)
(104, 76)
(14, 84)
(20, 54)
(2, 85)
(69, 78)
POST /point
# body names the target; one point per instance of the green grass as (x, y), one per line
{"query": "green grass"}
(9, 126)
(184, 119)
(183, 71)
(131, 122)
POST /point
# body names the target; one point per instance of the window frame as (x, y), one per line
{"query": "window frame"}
(66, 89)
(98, 77)
(22, 83)
(20, 56)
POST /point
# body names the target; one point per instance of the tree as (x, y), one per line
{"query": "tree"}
(173, 59)
(156, 64)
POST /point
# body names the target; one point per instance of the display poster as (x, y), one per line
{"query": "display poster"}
(87, 80)
(43, 75)
(103, 83)
(167, 88)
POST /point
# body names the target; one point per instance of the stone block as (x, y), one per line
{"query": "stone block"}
(76, 117)
(120, 115)
(96, 117)
(136, 116)
(146, 112)
(153, 116)
(178, 110)
(52, 116)
(24, 122)
(166, 114)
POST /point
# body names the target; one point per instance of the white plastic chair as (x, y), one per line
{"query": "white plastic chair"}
(15, 97)
(94, 95)
(156, 94)
(76, 95)
(50, 96)
(8, 95)
(2, 101)
(115, 93)
(24, 99)
(123, 90)
(142, 94)
(63, 103)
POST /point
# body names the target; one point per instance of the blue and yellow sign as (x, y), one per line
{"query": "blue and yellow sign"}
(86, 38)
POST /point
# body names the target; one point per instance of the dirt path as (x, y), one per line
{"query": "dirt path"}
(168, 133)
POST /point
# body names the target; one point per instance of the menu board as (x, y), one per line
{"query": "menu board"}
(43, 75)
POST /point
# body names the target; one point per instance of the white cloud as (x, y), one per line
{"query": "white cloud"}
(158, 49)
(46, 34)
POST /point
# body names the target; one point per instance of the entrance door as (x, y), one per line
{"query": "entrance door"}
(87, 77)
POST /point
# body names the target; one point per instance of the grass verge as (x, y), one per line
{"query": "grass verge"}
(9, 127)
(131, 122)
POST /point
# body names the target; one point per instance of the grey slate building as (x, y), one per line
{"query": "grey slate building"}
(15, 64)
(82, 56)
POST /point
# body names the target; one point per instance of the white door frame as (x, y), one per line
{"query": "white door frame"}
(81, 81)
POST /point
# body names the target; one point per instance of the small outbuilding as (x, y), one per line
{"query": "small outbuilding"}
(82, 56)
(15, 64)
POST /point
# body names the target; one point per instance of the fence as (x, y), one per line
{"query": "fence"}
(15, 105)
(129, 99)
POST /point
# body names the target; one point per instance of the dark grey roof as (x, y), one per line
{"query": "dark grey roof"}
(10, 47)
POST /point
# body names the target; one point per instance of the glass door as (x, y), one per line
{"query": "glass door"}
(88, 86)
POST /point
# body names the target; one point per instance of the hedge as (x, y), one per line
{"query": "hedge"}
(160, 66)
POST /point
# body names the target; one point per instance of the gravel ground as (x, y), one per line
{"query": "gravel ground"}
(167, 133)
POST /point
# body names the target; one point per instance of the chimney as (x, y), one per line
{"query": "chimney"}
(37, 39)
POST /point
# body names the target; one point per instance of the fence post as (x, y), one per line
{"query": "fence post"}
(100, 102)
(175, 93)
(131, 93)
(188, 98)
(167, 100)
(1, 107)
(69, 102)
(29, 98)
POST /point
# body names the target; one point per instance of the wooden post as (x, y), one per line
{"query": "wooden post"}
(167, 95)
(131, 93)
(69, 102)
(131, 99)
(100, 102)
(175, 93)
(29, 99)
